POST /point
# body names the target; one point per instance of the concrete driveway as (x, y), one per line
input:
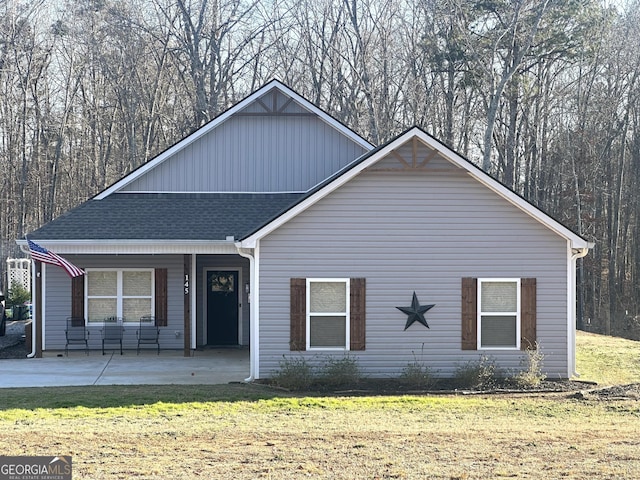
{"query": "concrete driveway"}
(215, 366)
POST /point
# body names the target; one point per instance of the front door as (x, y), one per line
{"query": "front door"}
(222, 307)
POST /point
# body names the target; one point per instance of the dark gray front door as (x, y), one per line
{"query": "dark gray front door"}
(222, 307)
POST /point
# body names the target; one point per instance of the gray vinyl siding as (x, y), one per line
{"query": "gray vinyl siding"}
(254, 154)
(57, 299)
(221, 262)
(406, 232)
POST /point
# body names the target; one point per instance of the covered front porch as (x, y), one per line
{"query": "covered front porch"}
(200, 301)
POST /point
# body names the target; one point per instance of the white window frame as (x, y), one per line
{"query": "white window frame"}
(346, 313)
(119, 293)
(481, 313)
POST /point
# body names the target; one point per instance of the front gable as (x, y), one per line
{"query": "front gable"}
(413, 217)
(273, 141)
(417, 153)
(222, 182)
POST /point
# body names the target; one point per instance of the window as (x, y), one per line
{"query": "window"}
(499, 313)
(127, 293)
(323, 320)
(328, 314)
(489, 319)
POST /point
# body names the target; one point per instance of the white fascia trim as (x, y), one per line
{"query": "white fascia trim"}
(221, 119)
(528, 208)
(134, 247)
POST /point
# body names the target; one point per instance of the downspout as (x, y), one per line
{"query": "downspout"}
(254, 345)
(577, 253)
(35, 303)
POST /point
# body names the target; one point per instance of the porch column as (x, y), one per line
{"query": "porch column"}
(187, 305)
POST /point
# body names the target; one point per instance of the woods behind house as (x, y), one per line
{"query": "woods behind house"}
(543, 94)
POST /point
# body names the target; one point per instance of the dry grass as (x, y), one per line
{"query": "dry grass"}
(338, 438)
(251, 432)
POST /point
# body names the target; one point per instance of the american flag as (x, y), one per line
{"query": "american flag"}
(41, 254)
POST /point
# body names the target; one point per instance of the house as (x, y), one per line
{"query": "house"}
(277, 228)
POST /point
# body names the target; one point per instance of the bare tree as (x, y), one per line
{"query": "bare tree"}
(214, 39)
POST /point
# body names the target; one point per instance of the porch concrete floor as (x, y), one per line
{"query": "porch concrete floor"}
(210, 367)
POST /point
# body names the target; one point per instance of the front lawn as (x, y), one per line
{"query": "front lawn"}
(607, 360)
(251, 431)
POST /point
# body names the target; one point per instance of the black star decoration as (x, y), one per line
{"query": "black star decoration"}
(416, 312)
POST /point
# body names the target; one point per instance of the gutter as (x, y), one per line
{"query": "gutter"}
(253, 338)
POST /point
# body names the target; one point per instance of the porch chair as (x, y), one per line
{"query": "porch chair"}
(148, 333)
(76, 333)
(112, 332)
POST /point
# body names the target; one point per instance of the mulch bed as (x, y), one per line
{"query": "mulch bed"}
(576, 389)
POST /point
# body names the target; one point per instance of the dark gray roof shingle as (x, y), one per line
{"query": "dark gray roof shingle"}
(167, 216)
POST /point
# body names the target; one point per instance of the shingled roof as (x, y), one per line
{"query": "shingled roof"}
(167, 216)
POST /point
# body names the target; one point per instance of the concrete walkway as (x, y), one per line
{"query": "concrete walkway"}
(215, 366)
